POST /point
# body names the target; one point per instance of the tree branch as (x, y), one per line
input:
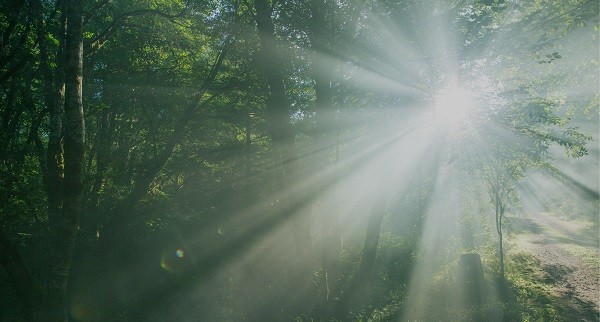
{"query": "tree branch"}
(143, 182)
(120, 21)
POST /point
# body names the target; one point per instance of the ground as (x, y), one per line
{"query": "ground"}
(569, 254)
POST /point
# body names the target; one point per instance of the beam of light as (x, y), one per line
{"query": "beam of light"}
(245, 251)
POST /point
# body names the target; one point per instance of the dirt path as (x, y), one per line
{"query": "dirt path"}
(569, 252)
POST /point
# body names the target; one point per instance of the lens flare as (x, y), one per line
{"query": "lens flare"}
(173, 261)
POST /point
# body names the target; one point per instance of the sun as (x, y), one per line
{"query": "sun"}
(453, 104)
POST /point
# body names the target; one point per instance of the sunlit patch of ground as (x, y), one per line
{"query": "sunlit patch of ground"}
(569, 255)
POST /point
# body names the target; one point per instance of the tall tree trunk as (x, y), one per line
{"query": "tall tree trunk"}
(361, 280)
(74, 134)
(325, 136)
(104, 141)
(281, 129)
(367, 262)
(247, 161)
(499, 214)
(54, 153)
(28, 290)
(10, 120)
(322, 71)
(501, 255)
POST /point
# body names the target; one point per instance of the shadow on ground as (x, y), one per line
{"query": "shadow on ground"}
(524, 226)
(553, 231)
(529, 291)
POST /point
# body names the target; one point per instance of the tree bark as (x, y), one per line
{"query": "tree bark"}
(54, 153)
(10, 121)
(500, 207)
(280, 127)
(74, 135)
(367, 262)
(361, 280)
(326, 137)
(28, 291)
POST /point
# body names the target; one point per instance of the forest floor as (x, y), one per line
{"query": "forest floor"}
(569, 254)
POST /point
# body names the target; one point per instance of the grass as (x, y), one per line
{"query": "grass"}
(529, 292)
(587, 254)
(534, 298)
(527, 295)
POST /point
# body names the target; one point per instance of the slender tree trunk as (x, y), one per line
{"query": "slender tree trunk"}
(326, 147)
(501, 255)
(355, 289)
(367, 262)
(10, 121)
(74, 134)
(499, 207)
(34, 135)
(247, 161)
(45, 70)
(54, 153)
(281, 130)
(104, 141)
(28, 290)
(501, 242)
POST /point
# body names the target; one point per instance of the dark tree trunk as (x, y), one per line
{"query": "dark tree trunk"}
(54, 153)
(44, 68)
(73, 132)
(501, 255)
(500, 207)
(247, 161)
(326, 138)
(10, 121)
(34, 135)
(281, 129)
(104, 141)
(28, 291)
(367, 262)
(356, 287)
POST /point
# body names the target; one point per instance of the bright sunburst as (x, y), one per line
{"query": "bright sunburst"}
(330, 160)
(453, 104)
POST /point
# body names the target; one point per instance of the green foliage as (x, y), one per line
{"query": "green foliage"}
(216, 196)
(534, 299)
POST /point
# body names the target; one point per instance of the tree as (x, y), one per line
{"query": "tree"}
(500, 148)
(279, 118)
(525, 115)
(64, 209)
(74, 137)
(213, 127)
